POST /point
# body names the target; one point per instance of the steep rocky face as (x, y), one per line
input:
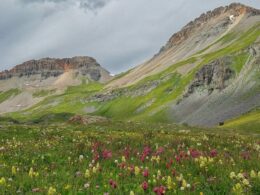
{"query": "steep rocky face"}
(212, 76)
(49, 67)
(216, 94)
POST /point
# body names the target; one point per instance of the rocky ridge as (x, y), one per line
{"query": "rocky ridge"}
(52, 67)
(234, 9)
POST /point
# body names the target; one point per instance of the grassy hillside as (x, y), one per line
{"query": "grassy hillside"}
(247, 122)
(152, 105)
(8, 94)
(59, 107)
(174, 86)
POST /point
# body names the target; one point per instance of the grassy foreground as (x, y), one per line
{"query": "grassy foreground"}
(127, 158)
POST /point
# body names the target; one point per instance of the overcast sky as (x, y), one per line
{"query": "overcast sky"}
(120, 34)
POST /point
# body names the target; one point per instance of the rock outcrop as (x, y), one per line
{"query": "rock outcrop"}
(212, 76)
(51, 67)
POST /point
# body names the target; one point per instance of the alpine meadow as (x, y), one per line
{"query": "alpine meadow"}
(186, 121)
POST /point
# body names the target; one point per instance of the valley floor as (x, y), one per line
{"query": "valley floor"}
(127, 158)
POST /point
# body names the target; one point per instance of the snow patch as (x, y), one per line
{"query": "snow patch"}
(232, 18)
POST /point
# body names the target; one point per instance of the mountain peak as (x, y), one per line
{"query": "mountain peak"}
(228, 12)
(53, 67)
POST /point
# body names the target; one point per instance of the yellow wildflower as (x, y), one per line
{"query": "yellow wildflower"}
(253, 174)
(245, 182)
(14, 170)
(240, 176)
(158, 159)
(169, 182)
(123, 159)
(132, 193)
(94, 170)
(238, 189)
(159, 173)
(67, 187)
(232, 175)
(137, 170)
(184, 183)
(2, 181)
(179, 178)
(52, 191)
(31, 172)
(87, 174)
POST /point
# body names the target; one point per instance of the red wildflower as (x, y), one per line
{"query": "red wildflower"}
(213, 153)
(127, 152)
(159, 190)
(146, 152)
(195, 153)
(159, 150)
(145, 185)
(132, 169)
(146, 173)
(106, 154)
(178, 158)
(112, 183)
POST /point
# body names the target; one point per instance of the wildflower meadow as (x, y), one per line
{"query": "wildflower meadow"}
(127, 159)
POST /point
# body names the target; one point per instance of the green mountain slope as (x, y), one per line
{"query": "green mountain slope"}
(206, 85)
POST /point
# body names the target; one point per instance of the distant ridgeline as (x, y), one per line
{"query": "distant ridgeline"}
(51, 67)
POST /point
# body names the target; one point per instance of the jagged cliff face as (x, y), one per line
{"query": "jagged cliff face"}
(49, 67)
(213, 76)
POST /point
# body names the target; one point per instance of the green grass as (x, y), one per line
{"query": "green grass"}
(74, 159)
(43, 93)
(84, 88)
(8, 94)
(239, 61)
(71, 102)
(247, 122)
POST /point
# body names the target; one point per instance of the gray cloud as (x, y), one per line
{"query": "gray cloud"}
(118, 33)
(42, 1)
(93, 4)
(86, 4)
